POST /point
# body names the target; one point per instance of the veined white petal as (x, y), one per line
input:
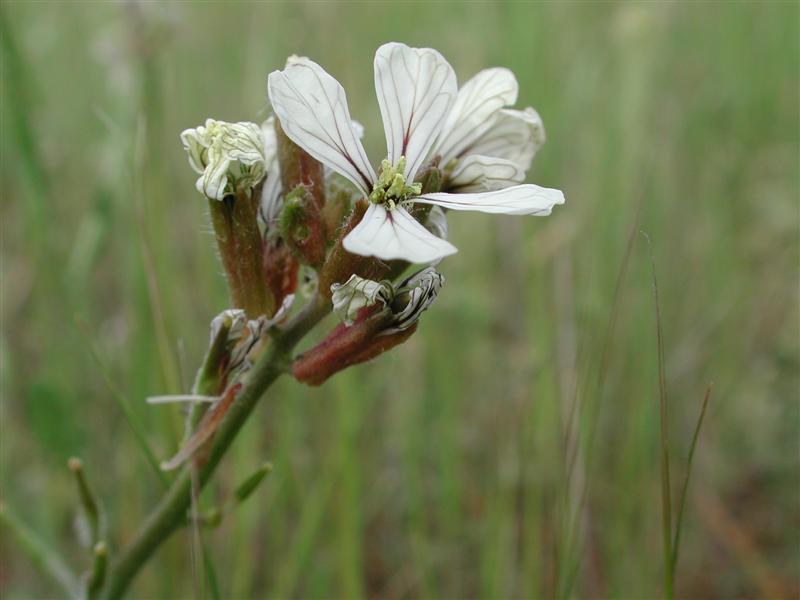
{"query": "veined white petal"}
(282, 312)
(271, 198)
(525, 199)
(312, 108)
(437, 225)
(271, 190)
(515, 135)
(214, 180)
(437, 222)
(395, 234)
(270, 141)
(358, 129)
(477, 102)
(476, 173)
(421, 290)
(356, 293)
(416, 88)
(195, 141)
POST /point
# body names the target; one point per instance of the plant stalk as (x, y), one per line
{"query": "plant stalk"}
(170, 513)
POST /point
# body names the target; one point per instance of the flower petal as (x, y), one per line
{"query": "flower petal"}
(437, 222)
(271, 190)
(476, 173)
(421, 289)
(350, 297)
(270, 141)
(312, 108)
(195, 141)
(395, 234)
(515, 135)
(471, 116)
(416, 88)
(271, 198)
(525, 199)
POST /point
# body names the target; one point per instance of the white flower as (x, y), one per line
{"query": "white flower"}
(416, 89)
(484, 146)
(228, 156)
(415, 295)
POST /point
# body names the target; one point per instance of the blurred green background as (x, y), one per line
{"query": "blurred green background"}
(446, 468)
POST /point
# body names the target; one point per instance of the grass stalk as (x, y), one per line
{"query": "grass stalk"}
(666, 496)
(685, 489)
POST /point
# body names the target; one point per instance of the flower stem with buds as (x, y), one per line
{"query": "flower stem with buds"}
(171, 511)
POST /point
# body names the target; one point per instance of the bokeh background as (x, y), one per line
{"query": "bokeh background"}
(511, 447)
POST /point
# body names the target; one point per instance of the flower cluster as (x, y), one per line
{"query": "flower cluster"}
(447, 149)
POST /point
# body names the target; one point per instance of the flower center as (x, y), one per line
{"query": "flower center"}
(391, 187)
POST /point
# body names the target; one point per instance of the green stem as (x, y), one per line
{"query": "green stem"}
(171, 511)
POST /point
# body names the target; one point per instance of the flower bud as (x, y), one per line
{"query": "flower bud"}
(430, 177)
(349, 298)
(376, 317)
(228, 156)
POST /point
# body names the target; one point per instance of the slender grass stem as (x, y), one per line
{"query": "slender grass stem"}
(685, 489)
(666, 495)
(170, 513)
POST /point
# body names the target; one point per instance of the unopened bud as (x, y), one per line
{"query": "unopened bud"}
(350, 297)
(228, 156)
(377, 317)
(302, 228)
(430, 177)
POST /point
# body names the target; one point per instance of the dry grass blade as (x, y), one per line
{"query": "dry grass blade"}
(205, 430)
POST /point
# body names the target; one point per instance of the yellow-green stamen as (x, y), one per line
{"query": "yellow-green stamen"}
(391, 187)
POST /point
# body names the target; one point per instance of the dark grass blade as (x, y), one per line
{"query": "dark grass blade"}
(666, 495)
(689, 462)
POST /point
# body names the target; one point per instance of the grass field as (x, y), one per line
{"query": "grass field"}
(511, 448)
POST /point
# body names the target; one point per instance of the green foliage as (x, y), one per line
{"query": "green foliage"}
(511, 447)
